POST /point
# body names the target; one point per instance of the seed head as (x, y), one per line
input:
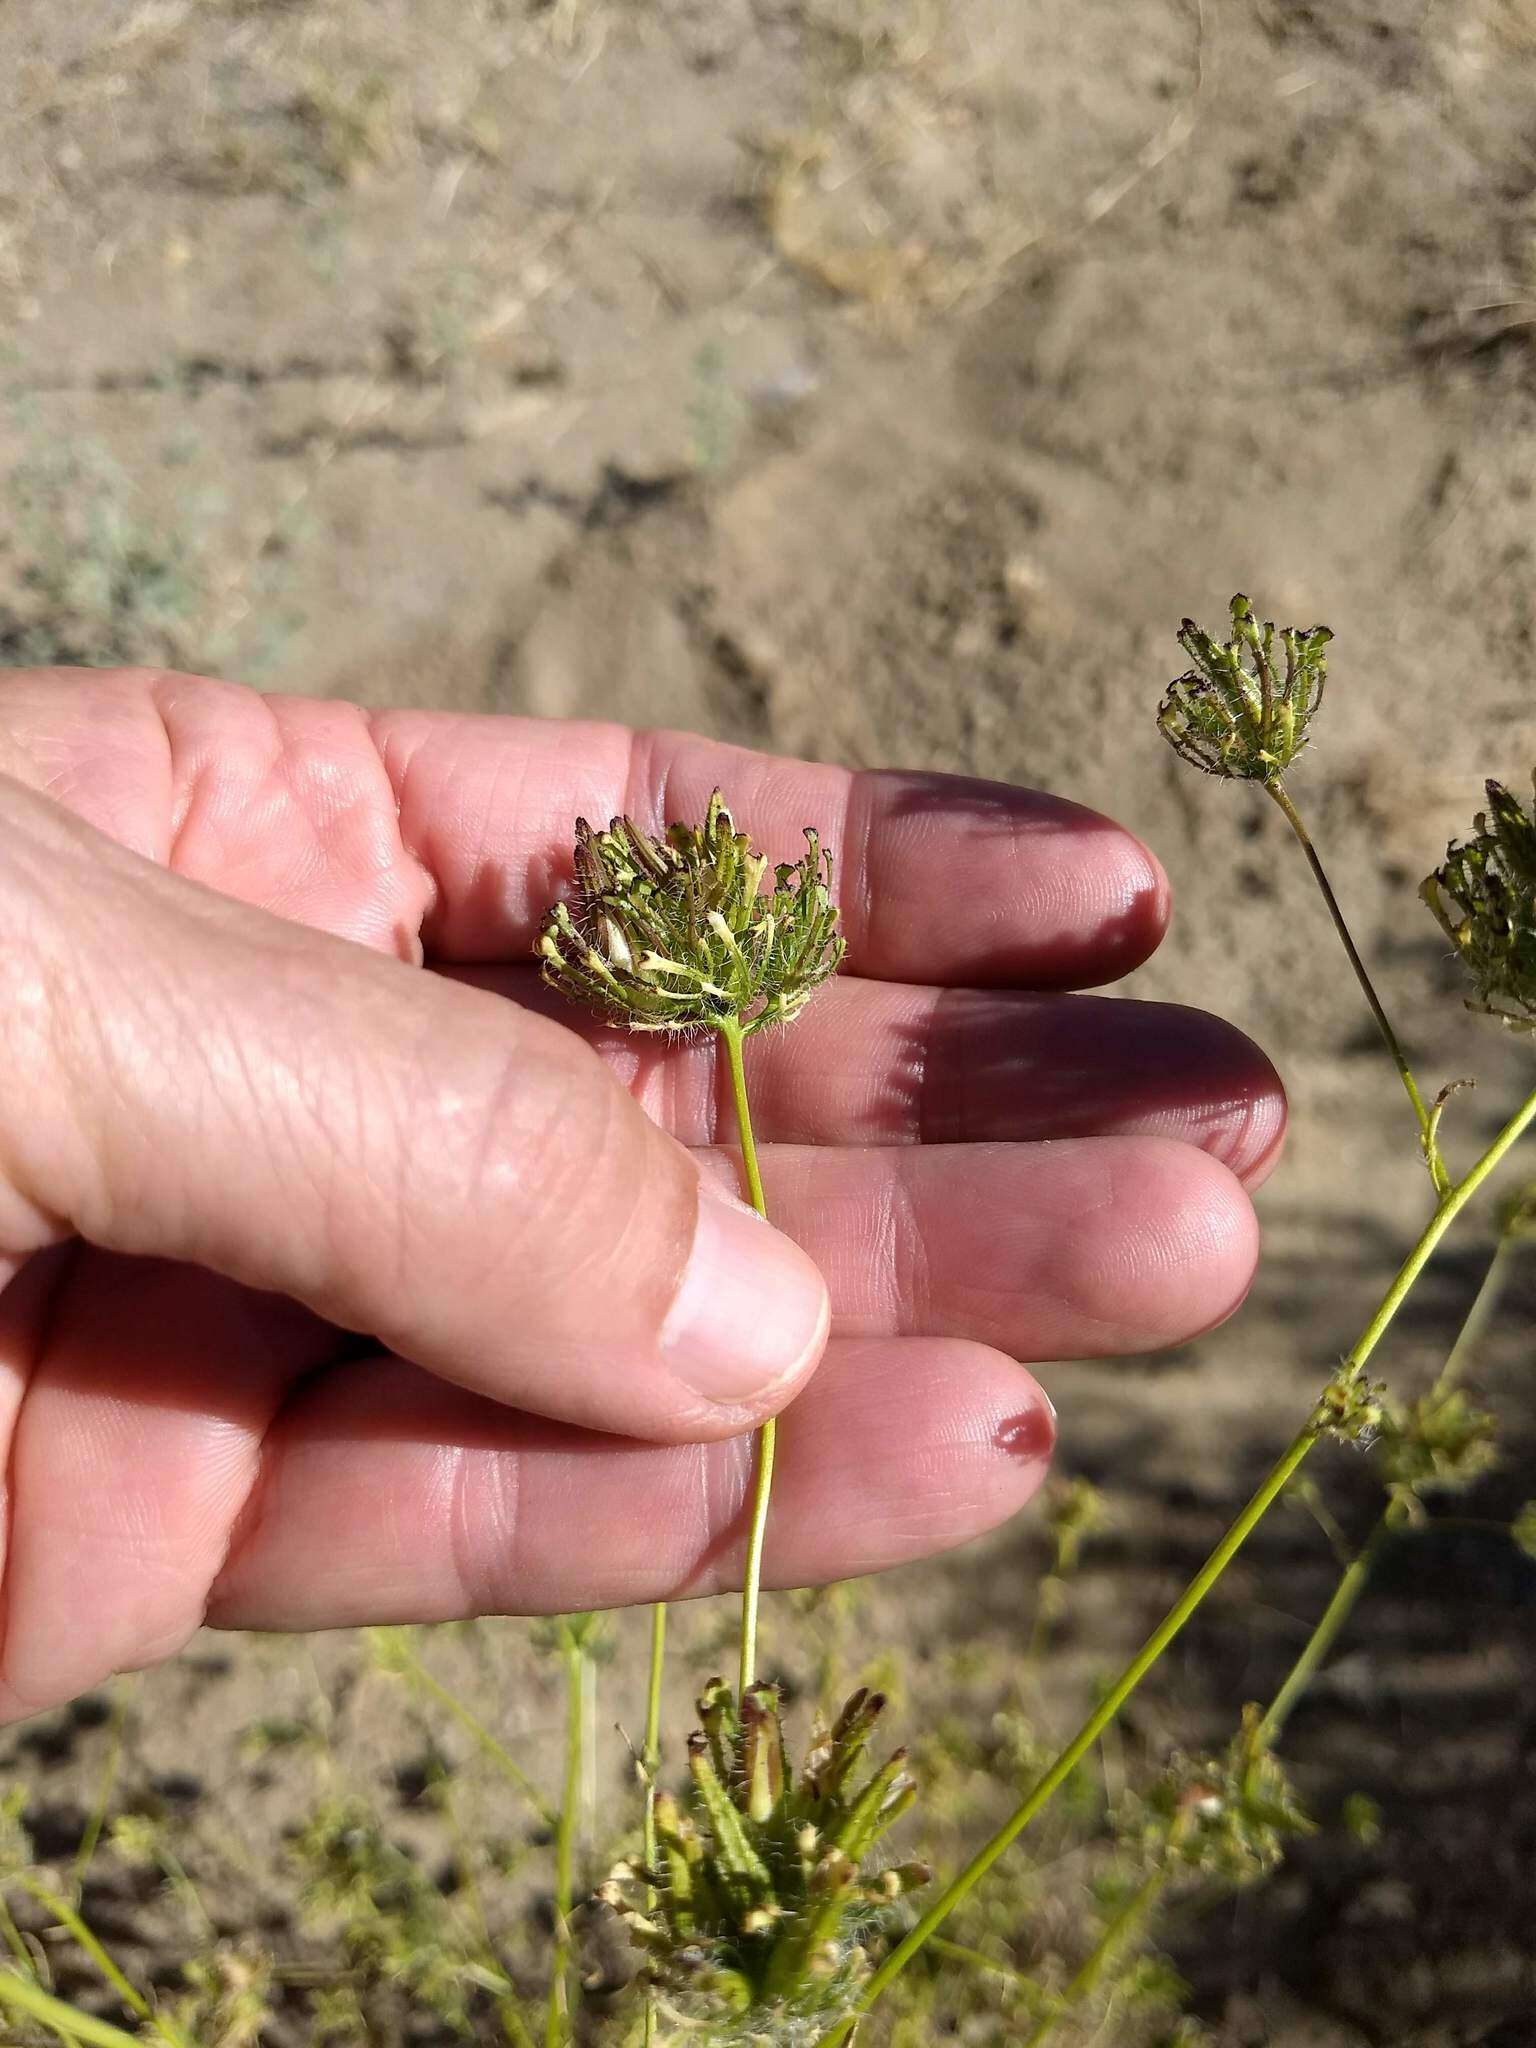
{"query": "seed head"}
(1485, 899)
(1236, 713)
(678, 933)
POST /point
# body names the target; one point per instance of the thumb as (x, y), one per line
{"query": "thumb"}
(413, 1158)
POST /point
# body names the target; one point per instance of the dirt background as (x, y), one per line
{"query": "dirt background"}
(880, 380)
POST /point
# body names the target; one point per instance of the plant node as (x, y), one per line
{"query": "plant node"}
(1238, 712)
(1351, 1408)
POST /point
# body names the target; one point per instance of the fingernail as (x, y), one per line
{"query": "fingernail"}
(752, 1310)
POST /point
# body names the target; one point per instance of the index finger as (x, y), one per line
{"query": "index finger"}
(942, 879)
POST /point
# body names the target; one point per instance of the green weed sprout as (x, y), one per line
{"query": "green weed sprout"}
(754, 1920)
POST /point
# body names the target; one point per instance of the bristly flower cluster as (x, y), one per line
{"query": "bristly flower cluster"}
(757, 1919)
(1227, 1817)
(1351, 1408)
(1439, 1443)
(678, 933)
(1237, 713)
(1485, 899)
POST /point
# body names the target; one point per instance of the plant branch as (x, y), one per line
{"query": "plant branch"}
(1116, 1933)
(1427, 1119)
(1347, 1593)
(767, 1437)
(557, 2022)
(1269, 1490)
(39, 2005)
(650, 1763)
(411, 1666)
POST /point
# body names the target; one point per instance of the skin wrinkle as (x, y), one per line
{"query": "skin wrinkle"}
(908, 1261)
(724, 1498)
(857, 809)
(483, 1502)
(429, 893)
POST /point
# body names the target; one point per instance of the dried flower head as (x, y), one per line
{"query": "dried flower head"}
(1236, 713)
(678, 933)
(768, 1890)
(1485, 899)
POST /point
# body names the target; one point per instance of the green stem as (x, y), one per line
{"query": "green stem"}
(650, 1761)
(1350, 1587)
(1345, 1599)
(1118, 1931)
(90, 1840)
(1426, 1118)
(557, 2023)
(22, 1996)
(1477, 1318)
(957, 1952)
(767, 1436)
(129, 1993)
(477, 1731)
(1190, 1600)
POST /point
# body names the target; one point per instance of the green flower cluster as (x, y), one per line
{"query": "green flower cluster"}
(1439, 1443)
(757, 1919)
(1228, 1817)
(1237, 713)
(1485, 899)
(678, 933)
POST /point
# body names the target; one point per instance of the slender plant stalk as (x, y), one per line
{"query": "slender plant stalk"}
(128, 1992)
(1478, 1316)
(12, 1935)
(767, 1436)
(513, 2025)
(98, 1820)
(957, 1952)
(1347, 1593)
(1394, 1045)
(557, 2022)
(23, 1996)
(1272, 1486)
(650, 1763)
(1346, 1597)
(1116, 1933)
(495, 1751)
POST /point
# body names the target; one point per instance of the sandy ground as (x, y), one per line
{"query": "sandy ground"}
(881, 380)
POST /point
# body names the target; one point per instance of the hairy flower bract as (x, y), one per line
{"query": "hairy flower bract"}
(754, 1925)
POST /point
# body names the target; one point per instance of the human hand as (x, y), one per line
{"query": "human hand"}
(240, 1125)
